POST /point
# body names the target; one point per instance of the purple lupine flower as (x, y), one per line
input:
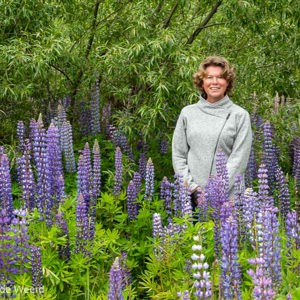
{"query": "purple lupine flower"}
(112, 132)
(96, 169)
(67, 146)
(132, 206)
(64, 251)
(231, 273)
(177, 186)
(262, 285)
(83, 180)
(40, 159)
(292, 227)
(268, 242)
(163, 145)
(87, 161)
(251, 170)
(222, 172)
(126, 274)
(6, 198)
(249, 212)
(283, 193)
(137, 179)
(61, 115)
(123, 144)
(21, 135)
(54, 171)
(239, 199)
(20, 240)
(202, 205)
(166, 195)
(216, 196)
(116, 284)
(26, 177)
(142, 165)
(270, 159)
(157, 234)
(186, 206)
(149, 180)
(36, 269)
(118, 172)
(201, 274)
(296, 160)
(184, 296)
(82, 226)
(95, 109)
(263, 187)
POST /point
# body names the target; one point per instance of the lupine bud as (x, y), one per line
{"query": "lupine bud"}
(118, 172)
(149, 184)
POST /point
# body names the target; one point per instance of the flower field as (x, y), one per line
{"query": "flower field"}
(100, 219)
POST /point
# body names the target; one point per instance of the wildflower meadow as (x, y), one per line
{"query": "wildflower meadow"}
(103, 218)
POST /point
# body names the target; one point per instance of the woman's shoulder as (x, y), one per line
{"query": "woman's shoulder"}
(237, 109)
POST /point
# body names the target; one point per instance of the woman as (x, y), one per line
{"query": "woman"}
(212, 124)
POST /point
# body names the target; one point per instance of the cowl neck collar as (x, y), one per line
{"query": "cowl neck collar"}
(220, 108)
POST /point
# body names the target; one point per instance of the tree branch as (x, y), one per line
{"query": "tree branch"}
(204, 23)
(168, 20)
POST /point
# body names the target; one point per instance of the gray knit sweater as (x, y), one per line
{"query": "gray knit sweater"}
(195, 138)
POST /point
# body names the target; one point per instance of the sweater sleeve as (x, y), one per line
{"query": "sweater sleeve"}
(238, 159)
(180, 149)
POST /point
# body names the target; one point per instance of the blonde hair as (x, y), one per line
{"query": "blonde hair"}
(228, 73)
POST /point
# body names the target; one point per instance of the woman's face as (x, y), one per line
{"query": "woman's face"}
(214, 84)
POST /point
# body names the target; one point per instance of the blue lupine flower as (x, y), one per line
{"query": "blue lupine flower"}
(251, 170)
(96, 169)
(283, 193)
(263, 187)
(149, 180)
(166, 195)
(132, 207)
(64, 251)
(157, 234)
(36, 269)
(26, 177)
(292, 228)
(142, 165)
(118, 172)
(116, 283)
(21, 136)
(137, 179)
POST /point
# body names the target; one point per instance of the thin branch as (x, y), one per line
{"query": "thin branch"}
(62, 72)
(168, 20)
(204, 23)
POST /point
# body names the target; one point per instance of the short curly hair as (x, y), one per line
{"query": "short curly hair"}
(228, 73)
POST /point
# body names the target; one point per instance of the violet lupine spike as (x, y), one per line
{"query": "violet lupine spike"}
(292, 227)
(40, 159)
(55, 170)
(112, 132)
(186, 206)
(116, 284)
(251, 170)
(222, 172)
(132, 206)
(296, 161)
(137, 179)
(166, 195)
(123, 144)
(216, 196)
(202, 205)
(20, 239)
(283, 193)
(7, 268)
(87, 161)
(184, 296)
(26, 177)
(202, 284)
(149, 180)
(163, 146)
(83, 180)
(157, 234)
(262, 285)
(61, 115)
(268, 243)
(95, 109)
(82, 226)
(36, 270)
(96, 169)
(270, 158)
(231, 272)
(263, 187)
(176, 193)
(118, 172)
(67, 146)
(126, 274)
(142, 165)
(21, 136)
(64, 251)
(6, 198)
(249, 212)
